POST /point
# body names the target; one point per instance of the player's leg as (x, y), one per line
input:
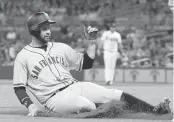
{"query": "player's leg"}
(136, 103)
(112, 66)
(104, 95)
(111, 109)
(65, 102)
(101, 94)
(107, 59)
(140, 105)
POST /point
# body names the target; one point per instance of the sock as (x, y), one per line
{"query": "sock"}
(136, 104)
(98, 104)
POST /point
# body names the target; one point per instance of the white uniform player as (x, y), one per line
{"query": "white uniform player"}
(44, 67)
(111, 42)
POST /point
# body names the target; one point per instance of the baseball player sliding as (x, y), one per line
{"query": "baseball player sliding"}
(43, 67)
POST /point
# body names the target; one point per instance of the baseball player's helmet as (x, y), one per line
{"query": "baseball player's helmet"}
(35, 20)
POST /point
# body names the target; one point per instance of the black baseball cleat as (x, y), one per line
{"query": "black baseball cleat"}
(109, 83)
(163, 107)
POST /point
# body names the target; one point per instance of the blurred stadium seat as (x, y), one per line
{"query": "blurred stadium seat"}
(146, 26)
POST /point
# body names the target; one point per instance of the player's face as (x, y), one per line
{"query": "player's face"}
(113, 28)
(45, 33)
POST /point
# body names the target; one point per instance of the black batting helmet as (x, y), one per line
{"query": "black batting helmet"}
(35, 20)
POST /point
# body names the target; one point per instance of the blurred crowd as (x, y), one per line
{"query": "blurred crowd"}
(145, 26)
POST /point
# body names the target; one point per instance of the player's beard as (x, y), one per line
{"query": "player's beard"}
(44, 39)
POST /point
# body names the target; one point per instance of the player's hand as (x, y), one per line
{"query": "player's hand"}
(123, 55)
(91, 33)
(33, 110)
(98, 52)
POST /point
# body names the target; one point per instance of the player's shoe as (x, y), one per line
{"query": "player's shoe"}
(109, 83)
(163, 107)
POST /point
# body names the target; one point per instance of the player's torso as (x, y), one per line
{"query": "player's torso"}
(47, 71)
(47, 67)
(111, 42)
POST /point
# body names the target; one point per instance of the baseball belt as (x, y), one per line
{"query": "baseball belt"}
(61, 89)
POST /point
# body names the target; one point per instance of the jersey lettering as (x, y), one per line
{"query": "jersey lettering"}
(43, 63)
(53, 59)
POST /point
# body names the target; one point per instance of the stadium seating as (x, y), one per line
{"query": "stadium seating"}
(131, 16)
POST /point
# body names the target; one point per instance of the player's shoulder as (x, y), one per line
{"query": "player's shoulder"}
(60, 45)
(117, 33)
(22, 54)
(106, 32)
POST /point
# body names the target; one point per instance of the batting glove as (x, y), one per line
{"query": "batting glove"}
(91, 33)
(33, 110)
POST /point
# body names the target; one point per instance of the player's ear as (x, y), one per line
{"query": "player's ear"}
(35, 33)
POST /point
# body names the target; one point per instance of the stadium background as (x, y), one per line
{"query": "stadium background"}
(146, 27)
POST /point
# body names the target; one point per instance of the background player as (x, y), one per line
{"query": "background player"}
(112, 45)
(43, 68)
(171, 4)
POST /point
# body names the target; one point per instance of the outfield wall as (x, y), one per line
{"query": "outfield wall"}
(132, 75)
(125, 75)
(6, 72)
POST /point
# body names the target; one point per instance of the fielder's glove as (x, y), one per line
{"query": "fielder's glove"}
(33, 110)
(91, 33)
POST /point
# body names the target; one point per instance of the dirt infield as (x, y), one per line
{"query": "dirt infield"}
(12, 111)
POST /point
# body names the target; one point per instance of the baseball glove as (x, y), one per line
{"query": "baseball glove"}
(91, 33)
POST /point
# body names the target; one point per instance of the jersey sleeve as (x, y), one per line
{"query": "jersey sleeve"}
(104, 36)
(119, 38)
(19, 74)
(74, 59)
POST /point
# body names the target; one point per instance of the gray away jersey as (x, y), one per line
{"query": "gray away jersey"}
(45, 72)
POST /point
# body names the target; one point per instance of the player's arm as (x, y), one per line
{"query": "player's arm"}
(19, 85)
(89, 57)
(79, 61)
(23, 96)
(120, 46)
(103, 39)
(104, 36)
(91, 34)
